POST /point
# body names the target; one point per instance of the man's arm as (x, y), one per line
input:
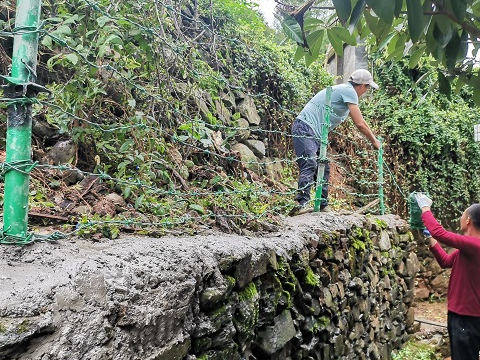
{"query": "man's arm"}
(444, 259)
(362, 125)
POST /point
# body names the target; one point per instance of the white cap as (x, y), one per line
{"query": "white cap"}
(362, 76)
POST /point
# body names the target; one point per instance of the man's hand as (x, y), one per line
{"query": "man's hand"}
(376, 144)
(423, 200)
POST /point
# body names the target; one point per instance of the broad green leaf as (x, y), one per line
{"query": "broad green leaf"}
(71, 19)
(451, 51)
(102, 20)
(417, 54)
(344, 35)
(53, 61)
(299, 53)
(429, 38)
(398, 8)
(186, 127)
(313, 24)
(391, 46)
(396, 54)
(197, 208)
(126, 145)
(444, 85)
(459, 84)
(292, 29)
(73, 58)
(343, 7)
(399, 49)
(438, 53)
(459, 8)
(442, 39)
(336, 42)
(382, 31)
(356, 15)
(474, 83)
(139, 201)
(388, 40)
(114, 39)
(372, 21)
(415, 19)
(443, 22)
(47, 42)
(463, 48)
(383, 9)
(476, 96)
(61, 30)
(314, 41)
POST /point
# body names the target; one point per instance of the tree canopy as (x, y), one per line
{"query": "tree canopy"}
(446, 30)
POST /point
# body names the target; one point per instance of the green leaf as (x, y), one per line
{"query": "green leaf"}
(73, 58)
(452, 50)
(61, 31)
(102, 20)
(125, 146)
(382, 31)
(372, 21)
(139, 201)
(47, 42)
(459, 84)
(459, 8)
(313, 24)
(463, 48)
(441, 38)
(415, 19)
(197, 208)
(474, 83)
(396, 54)
(314, 41)
(292, 29)
(383, 9)
(343, 7)
(344, 35)
(398, 8)
(114, 39)
(443, 22)
(476, 95)
(417, 54)
(337, 44)
(388, 40)
(71, 20)
(299, 53)
(444, 85)
(356, 15)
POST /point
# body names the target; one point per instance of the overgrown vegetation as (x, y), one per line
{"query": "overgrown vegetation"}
(127, 81)
(138, 89)
(416, 351)
(429, 140)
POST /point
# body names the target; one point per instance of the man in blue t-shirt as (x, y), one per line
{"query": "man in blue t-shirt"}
(307, 130)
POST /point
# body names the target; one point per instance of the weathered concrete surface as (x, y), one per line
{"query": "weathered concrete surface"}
(131, 298)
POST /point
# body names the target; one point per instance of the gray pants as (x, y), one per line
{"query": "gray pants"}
(307, 148)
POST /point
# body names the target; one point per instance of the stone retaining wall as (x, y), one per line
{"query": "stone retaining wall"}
(325, 287)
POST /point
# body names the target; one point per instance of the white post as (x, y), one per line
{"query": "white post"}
(476, 132)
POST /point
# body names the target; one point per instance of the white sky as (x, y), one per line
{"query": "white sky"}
(267, 7)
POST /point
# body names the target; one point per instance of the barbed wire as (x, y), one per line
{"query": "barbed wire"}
(368, 168)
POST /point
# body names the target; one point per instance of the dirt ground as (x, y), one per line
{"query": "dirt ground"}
(431, 311)
(432, 317)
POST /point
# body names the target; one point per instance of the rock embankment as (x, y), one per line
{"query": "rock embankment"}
(326, 287)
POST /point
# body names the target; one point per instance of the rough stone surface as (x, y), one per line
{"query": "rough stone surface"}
(246, 107)
(209, 297)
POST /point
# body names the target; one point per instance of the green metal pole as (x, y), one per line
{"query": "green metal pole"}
(380, 178)
(322, 157)
(19, 118)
